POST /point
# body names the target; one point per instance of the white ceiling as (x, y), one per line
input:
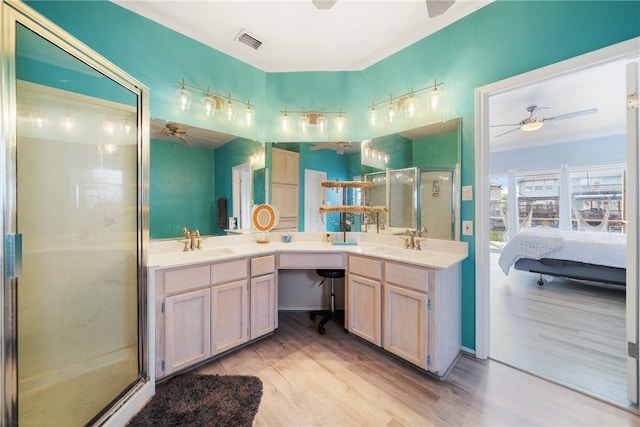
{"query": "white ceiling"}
(355, 34)
(297, 36)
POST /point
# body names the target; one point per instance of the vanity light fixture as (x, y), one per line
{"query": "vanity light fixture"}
(407, 102)
(212, 101)
(372, 116)
(373, 153)
(312, 119)
(339, 122)
(322, 122)
(183, 96)
(285, 121)
(303, 122)
(249, 115)
(257, 159)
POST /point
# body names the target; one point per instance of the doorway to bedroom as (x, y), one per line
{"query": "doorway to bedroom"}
(544, 184)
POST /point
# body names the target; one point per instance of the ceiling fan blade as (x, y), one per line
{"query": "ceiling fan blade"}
(156, 127)
(185, 141)
(438, 7)
(571, 115)
(509, 131)
(511, 124)
(323, 146)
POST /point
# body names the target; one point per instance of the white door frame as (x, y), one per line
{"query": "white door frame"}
(241, 194)
(313, 198)
(627, 50)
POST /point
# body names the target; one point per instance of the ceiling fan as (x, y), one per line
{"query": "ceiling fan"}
(172, 129)
(340, 146)
(532, 123)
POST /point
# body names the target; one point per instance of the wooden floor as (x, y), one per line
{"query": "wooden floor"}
(338, 380)
(569, 331)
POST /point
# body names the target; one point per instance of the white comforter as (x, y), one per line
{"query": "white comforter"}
(590, 247)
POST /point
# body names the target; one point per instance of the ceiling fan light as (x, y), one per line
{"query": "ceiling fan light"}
(531, 125)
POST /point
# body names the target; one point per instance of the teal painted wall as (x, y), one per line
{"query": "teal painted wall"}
(336, 167)
(438, 151)
(487, 46)
(181, 191)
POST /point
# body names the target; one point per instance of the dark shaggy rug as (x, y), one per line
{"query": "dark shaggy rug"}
(202, 400)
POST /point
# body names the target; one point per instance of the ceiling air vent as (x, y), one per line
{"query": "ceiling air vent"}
(249, 39)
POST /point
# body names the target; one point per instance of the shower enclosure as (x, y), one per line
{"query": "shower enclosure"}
(74, 228)
(416, 199)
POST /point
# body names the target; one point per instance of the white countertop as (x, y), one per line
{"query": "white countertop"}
(438, 254)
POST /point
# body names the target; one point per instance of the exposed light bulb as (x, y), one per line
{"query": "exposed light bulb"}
(303, 121)
(285, 122)
(339, 122)
(372, 116)
(435, 99)
(410, 105)
(322, 123)
(391, 112)
(209, 104)
(184, 98)
(249, 115)
(230, 110)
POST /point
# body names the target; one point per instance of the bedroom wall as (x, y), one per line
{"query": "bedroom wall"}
(487, 46)
(610, 149)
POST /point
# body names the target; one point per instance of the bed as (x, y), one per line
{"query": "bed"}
(594, 256)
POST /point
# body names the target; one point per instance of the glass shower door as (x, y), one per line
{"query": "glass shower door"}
(76, 198)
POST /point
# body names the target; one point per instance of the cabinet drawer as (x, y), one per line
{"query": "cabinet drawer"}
(311, 260)
(366, 267)
(184, 279)
(408, 277)
(229, 271)
(263, 265)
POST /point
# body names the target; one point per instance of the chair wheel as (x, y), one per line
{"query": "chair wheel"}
(321, 330)
(312, 316)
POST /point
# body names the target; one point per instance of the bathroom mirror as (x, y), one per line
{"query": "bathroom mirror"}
(416, 175)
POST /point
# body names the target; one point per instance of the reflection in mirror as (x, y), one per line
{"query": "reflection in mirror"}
(416, 176)
(193, 186)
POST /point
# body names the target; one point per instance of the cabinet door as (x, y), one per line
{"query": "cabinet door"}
(364, 308)
(187, 333)
(263, 305)
(229, 316)
(406, 324)
(285, 166)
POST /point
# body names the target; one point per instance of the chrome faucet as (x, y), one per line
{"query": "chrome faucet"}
(191, 239)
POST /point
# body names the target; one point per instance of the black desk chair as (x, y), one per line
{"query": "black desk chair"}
(331, 312)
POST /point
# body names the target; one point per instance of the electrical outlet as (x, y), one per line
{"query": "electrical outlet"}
(467, 228)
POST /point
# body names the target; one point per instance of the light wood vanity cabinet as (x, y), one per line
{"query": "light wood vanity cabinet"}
(229, 305)
(264, 290)
(206, 310)
(364, 296)
(285, 187)
(418, 317)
